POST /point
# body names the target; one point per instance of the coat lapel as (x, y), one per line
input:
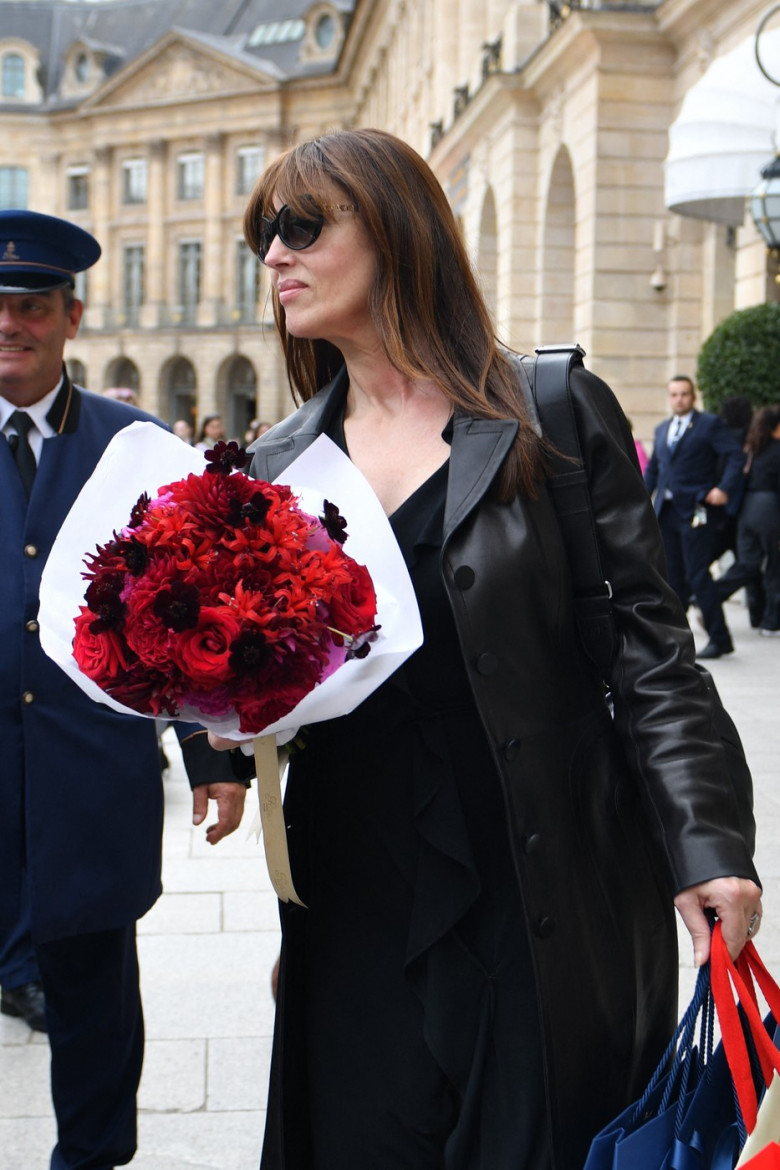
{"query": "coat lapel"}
(479, 447)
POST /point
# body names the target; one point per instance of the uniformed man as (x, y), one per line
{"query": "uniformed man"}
(80, 784)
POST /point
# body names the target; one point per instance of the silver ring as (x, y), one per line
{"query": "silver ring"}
(753, 924)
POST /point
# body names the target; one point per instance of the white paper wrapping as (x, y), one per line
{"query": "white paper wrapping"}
(142, 458)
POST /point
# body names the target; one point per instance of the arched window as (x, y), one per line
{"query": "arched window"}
(181, 389)
(123, 372)
(13, 76)
(81, 68)
(241, 386)
(77, 371)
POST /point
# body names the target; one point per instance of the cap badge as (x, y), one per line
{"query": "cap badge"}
(10, 252)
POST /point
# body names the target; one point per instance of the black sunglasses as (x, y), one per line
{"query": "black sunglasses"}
(295, 231)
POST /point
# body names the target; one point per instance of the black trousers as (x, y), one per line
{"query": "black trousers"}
(689, 553)
(758, 555)
(96, 1034)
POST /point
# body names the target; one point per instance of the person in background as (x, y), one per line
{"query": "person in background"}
(639, 447)
(122, 394)
(183, 429)
(695, 470)
(486, 968)
(255, 429)
(737, 413)
(211, 432)
(758, 531)
(80, 784)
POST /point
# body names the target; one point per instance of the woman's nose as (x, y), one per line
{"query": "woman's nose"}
(276, 254)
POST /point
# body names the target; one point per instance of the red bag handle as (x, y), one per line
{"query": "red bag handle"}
(728, 978)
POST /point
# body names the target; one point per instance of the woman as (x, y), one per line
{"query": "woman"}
(758, 529)
(211, 431)
(487, 968)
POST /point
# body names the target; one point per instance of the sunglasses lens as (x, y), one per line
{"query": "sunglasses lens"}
(265, 236)
(298, 231)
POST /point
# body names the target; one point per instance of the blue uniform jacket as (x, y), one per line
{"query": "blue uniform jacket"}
(80, 784)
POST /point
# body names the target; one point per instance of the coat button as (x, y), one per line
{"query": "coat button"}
(31, 550)
(543, 927)
(28, 697)
(530, 842)
(487, 663)
(464, 577)
(31, 626)
(511, 749)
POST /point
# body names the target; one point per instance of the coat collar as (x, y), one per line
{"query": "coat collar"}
(479, 447)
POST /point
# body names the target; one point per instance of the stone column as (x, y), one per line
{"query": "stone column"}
(99, 278)
(212, 290)
(155, 258)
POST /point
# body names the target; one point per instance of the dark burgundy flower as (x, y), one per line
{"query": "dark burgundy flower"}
(103, 597)
(334, 522)
(251, 511)
(136, 556)
(361, 646)
(178, 606)
(255, 510)
(249, 652)
(139, 511)
(224, 457)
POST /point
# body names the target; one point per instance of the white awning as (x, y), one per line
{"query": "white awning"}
(728, 128)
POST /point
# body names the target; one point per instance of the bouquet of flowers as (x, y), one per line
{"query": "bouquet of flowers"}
(222, 595)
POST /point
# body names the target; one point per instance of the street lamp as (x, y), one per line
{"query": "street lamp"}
(765, 205)
(764, 200)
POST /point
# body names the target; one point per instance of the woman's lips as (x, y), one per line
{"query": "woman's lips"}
(287, 289)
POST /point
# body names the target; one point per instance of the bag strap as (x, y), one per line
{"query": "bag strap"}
(737, 1014)
(570, 493)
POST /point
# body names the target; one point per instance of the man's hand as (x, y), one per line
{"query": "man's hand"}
(219, 743)
(230, 808)
(716, 497)
(737, 903)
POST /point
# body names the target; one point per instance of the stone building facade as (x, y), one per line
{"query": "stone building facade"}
(547, 123)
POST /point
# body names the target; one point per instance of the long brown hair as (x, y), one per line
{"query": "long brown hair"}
(760, 430)
(426, 304)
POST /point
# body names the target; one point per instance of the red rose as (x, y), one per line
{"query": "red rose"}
(203, 654)
(146, 634)
(353, 606)
(103, 657)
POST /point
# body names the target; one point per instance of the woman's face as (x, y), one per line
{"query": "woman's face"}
(325, 288)
(213, 428)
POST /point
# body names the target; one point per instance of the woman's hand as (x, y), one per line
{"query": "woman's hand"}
(736, 902)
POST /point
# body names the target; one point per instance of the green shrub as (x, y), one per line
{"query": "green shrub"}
(742, 356)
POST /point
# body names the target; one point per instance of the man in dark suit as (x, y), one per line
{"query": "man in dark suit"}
(695, 470)
(80, 784)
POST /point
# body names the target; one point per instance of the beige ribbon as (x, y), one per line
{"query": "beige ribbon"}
(269, 794)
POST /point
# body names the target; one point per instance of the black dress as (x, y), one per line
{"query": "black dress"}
(411, 1036)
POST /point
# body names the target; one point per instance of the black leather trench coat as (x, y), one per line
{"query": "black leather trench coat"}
(608, 818)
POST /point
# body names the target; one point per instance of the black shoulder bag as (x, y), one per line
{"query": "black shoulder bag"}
(549, 377)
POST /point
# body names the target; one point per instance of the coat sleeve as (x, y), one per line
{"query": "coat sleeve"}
(663, 711)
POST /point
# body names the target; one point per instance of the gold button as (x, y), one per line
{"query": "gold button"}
(31, 550)
(31, 627)
(28, 697)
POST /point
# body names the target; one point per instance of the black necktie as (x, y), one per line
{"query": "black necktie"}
(23, 452)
